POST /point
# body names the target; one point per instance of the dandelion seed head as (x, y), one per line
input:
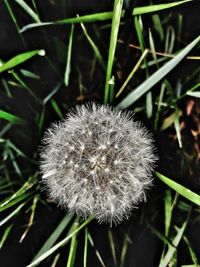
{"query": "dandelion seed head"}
(98, 161)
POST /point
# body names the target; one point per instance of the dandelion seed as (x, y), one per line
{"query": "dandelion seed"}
(109, 166)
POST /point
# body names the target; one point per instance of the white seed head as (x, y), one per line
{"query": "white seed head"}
(98, 161)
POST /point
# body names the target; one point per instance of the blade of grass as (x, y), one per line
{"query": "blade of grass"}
(176, 240)
(5, 235)
(156, 77)
(11, 118)
(55, 235)
(73, 247)
(168, 210)
(111, 89)
(135, 68)
(85, 248)
(59, 244)
(56, 108)
(53, 92)
(112, 246)
(54, 263)
(192, 253)
(27, 185)
(105, 15)
(158, 26)
(13, 62)
(12, 214)
(30, 222)
(29, 74)
(69, 54)
(194, 94)
(28, 10)
(124, 248)
(113, 43)
(177, 127)
(15, 22)
(96, 250)
(183, 191)
(94, 46)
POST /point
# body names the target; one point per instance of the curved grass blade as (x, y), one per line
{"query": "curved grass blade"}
(105, 15)
(156, 77)
(13, 62)
(94, 46)
(183, 191)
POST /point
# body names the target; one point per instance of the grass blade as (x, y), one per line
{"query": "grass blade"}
(12, 214)
(13, 62)
(194, 94)
(11, 118)
(85, 248)
(156, 77)
(113, 43)
(94, 46)
(28, 10)
(176, 240)
(5, 235)
(73, 246)
(69, 54)
(105, 15)
(183, 191)
(59, 244)
(55, 235)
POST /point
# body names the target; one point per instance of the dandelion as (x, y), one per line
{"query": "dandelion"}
(98, 161)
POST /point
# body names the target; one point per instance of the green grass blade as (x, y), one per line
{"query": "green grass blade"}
(13, 62)
(28, 10)
(135, 68)
(73, 247)
(52, 93)
(96, 250)
(194, 94)
(192, 253)
(94, 46)
(113, 43)
(69, 54)
(183, 191)
(5, 235)
(29, 74)
(11, 118)
(55, 235)
(12, 214)
(177, 127)
(176, 240)
(168, 210)
(29, 184)
(105, 15)
(156, 77)
(56, 108)
(59, 244)
(85, 248)
(112, 246)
